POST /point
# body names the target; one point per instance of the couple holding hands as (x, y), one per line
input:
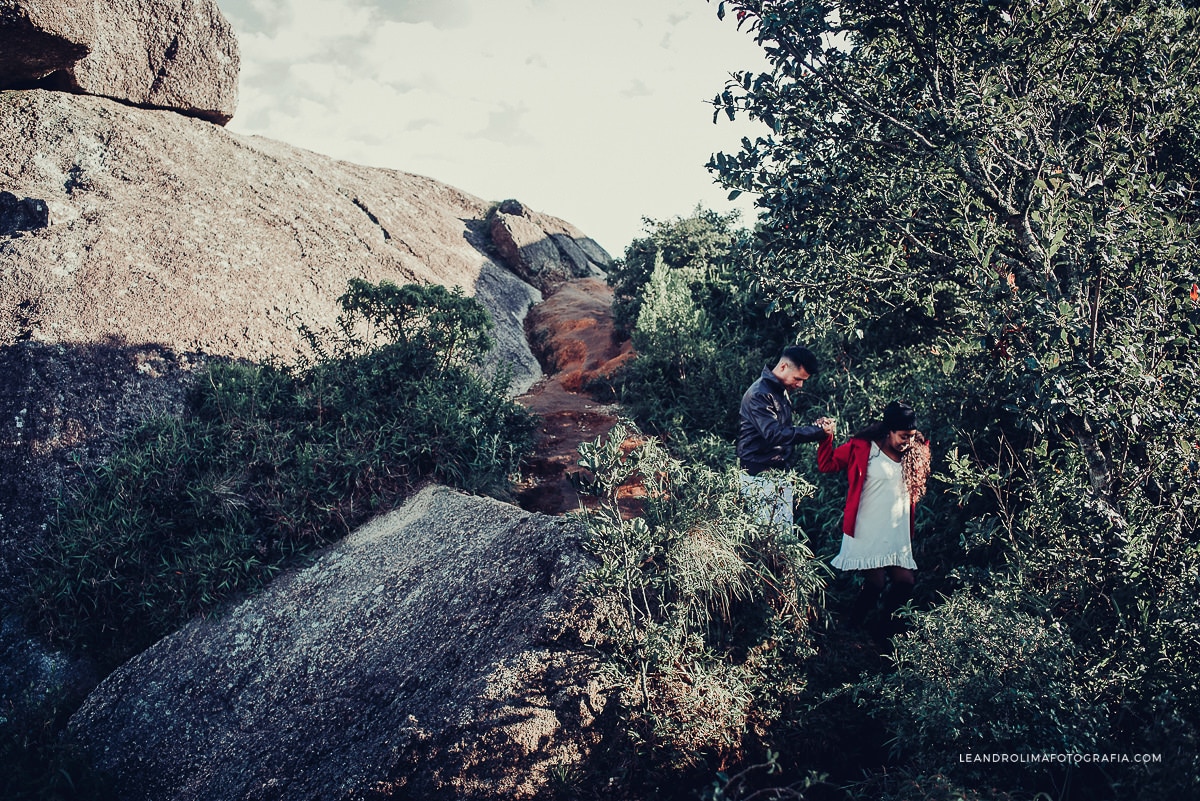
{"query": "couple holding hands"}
(886, 463)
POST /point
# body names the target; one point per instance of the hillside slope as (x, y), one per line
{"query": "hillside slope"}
(135, 244)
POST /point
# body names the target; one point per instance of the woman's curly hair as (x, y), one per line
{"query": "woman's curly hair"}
(915, 465)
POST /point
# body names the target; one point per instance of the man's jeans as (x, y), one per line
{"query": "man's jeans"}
(772, 496)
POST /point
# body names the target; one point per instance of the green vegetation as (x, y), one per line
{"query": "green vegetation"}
(271, 462)
(705, 613)
(989, 209)
(700, 333)
(268, 464)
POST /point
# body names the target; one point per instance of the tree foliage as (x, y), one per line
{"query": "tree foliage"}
(700, 333)
(709, 245)
(997, 202)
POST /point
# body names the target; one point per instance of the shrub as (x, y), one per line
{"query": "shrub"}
(271, 462)
(700, 328)
(978, 675)
(707, 610)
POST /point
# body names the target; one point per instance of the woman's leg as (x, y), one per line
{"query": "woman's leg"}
(868, 597)
(897, 595)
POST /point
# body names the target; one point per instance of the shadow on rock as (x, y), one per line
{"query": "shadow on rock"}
(63, 410)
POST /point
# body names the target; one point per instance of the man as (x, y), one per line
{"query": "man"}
(766, 436)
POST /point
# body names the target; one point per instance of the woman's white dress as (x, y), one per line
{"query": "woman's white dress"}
(881, 531)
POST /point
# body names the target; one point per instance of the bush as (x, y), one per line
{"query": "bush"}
(978, 675)
(707, 610)
(1077, 646)
(271, 462)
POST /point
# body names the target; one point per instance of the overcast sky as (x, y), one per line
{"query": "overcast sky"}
(595, 112)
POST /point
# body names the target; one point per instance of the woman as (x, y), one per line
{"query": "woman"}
(887, 464)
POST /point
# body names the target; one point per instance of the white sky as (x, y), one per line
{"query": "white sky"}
(592, 111)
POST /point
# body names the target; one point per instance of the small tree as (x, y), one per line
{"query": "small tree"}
(700, 334)
(706, 243)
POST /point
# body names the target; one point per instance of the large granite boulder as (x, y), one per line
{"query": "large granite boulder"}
(434, 653)
(180, 55)
(162, 228)
(543, 250)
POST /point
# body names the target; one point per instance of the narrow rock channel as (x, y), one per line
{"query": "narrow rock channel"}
(573, 336)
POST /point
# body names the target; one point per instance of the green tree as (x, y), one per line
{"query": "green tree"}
(701, 335)
(450, 327)
(994, 204)
(707, 244)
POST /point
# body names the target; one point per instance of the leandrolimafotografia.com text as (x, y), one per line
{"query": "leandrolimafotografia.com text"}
(1061, 759)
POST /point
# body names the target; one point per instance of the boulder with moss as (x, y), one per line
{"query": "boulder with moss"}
(434, 653)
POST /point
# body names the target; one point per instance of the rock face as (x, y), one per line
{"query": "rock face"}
(429, 655)
(180, 55)
(162, 228)
(573, 335)
(135, 240)
(66, 407)
(544, 251)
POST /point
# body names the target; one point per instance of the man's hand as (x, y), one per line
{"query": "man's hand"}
(827, 424)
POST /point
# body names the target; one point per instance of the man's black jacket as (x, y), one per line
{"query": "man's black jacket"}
(766, 435)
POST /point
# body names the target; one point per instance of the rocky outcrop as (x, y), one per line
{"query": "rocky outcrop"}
(543, 250)
(434, 653)
(137, 242)
(573, 335)
(162, 228)
(180, 55)
(63, 410)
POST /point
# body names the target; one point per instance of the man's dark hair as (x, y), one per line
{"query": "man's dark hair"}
(801, 357)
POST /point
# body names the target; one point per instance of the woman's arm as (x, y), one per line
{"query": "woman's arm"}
(830, 459)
